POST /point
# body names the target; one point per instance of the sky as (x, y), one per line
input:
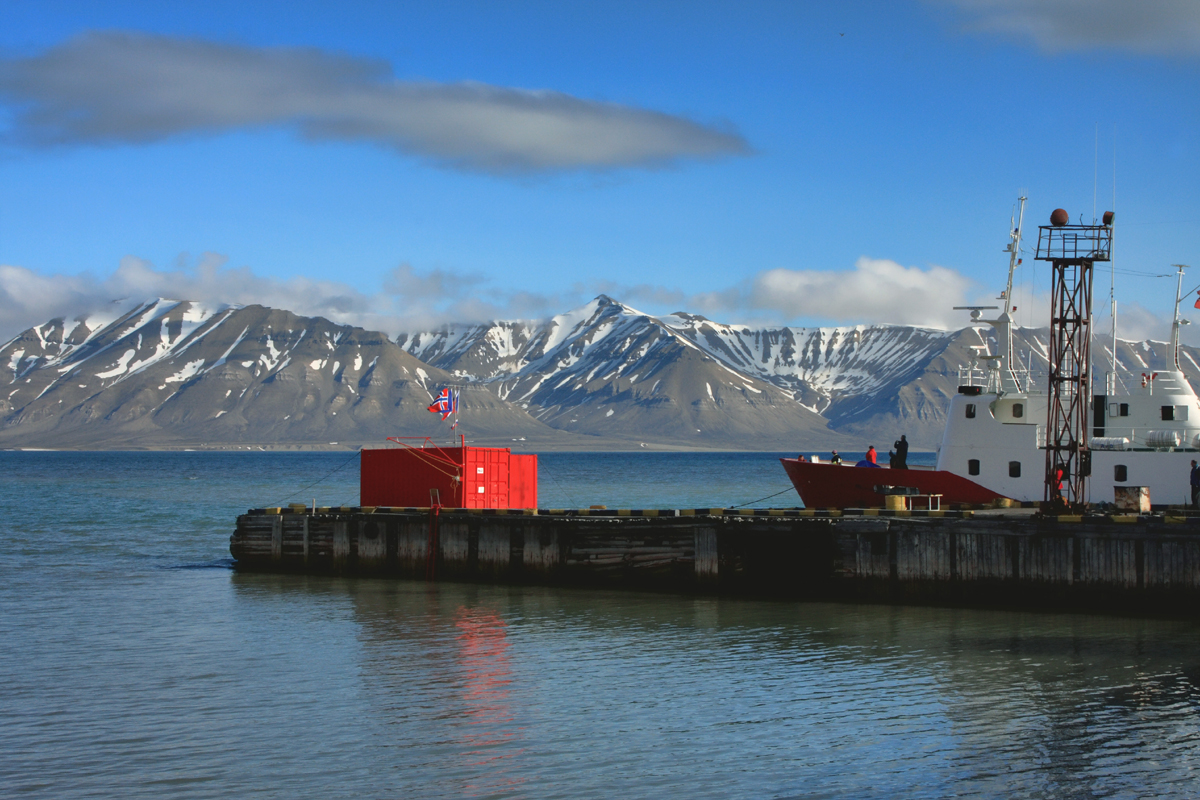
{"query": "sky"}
(402, 165)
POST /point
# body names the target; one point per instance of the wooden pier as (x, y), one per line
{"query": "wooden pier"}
(1147, 564)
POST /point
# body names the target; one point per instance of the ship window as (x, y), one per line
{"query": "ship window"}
(1018, 410)
(1120, 472)
(970, 411)
(1014, 469)
(973, 466)
(1181, 413)
(1124, 409)
(1168, 413)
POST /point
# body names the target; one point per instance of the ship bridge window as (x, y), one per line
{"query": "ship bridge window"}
(1014, 469)
(1168, 413)
(970, 411)
(1018, 410)
(1120, 473)
(973, 466)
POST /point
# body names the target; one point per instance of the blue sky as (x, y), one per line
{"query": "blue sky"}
(398, 165)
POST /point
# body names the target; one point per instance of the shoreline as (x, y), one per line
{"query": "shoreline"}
(603, 446)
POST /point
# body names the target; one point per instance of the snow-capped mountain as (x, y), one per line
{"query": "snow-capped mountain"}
(569, 364)
(868, 382)
(176, 373)
(169, 372)
(607, 369)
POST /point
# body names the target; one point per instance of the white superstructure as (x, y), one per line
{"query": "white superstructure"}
(996, 427)
(1146, 438)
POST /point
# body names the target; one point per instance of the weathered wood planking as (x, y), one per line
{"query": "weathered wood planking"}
(1147, 565)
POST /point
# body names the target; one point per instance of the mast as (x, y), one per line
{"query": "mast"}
(1176, 321)
(1014, 259)
(1002, 376)
(1110, 383)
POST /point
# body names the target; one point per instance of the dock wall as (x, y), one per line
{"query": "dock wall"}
(1148, 564)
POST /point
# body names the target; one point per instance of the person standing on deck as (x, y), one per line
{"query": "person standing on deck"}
(1195, 486)
(835, 458)
(902, 452)
(871, 454)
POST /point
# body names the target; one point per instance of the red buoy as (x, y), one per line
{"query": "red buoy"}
(1059, 217)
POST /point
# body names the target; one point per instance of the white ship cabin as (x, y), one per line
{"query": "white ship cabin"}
(996, 434)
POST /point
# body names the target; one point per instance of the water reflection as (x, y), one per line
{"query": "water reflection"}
(490, 736)
(123, 676)
(496, 691)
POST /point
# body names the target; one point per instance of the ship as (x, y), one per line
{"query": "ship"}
(994, 447)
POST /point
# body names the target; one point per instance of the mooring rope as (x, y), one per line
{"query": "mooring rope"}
(566, 495)
(759, 500)
(322, 478)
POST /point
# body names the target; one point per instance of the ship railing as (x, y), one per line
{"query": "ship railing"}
(969, 376)
(1127, 438)
(990, 380)
(1074, 242)
(1119, 439)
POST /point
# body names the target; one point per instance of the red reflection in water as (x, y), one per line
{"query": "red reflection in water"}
(484, 661)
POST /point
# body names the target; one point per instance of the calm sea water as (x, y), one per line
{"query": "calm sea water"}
(135, 663)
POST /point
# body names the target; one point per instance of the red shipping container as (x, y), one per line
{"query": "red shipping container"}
(455, 477)
(522, 481)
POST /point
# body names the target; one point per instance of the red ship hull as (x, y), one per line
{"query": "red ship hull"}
(823, 485)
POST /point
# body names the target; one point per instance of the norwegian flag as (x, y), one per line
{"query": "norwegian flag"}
(446, 403)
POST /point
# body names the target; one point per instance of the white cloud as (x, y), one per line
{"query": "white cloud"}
(1160, 27)
(1135, 323)
(407, 301)
(874, 291)
(120, 87)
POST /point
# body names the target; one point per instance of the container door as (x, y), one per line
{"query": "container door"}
(485, 484)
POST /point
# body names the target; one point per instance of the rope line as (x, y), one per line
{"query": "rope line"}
(759, 500)
(432, 456)
(566, 495)
(433, 461)
(322, 478)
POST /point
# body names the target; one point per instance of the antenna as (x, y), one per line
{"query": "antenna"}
(1112, 282)
(1095, 171)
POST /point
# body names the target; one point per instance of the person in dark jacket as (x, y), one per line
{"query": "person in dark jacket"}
(902, 452)
(1195, 486)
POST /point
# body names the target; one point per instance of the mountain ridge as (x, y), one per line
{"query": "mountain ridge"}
(170, 373)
